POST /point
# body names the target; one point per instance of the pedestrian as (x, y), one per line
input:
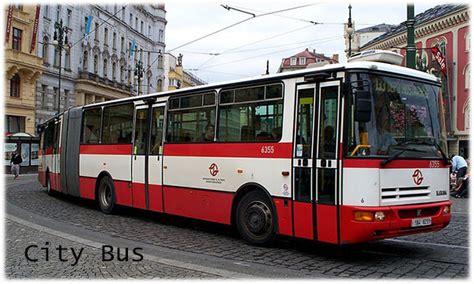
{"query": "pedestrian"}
(15, 163)
(458, 166)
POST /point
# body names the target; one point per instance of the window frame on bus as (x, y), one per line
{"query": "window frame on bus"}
(132, 121)
(265, 100)
(100, 128)
(170, 109)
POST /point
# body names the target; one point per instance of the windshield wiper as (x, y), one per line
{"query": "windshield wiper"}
(394, 156)
(432, 142)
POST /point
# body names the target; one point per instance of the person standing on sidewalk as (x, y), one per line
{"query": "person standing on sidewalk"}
(15, 162)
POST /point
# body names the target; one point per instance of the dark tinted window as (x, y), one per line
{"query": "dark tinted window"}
(117, 124)
(91, 126)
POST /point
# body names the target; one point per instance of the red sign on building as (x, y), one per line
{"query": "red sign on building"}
(9, 23)
(35, 28)
(440, 59)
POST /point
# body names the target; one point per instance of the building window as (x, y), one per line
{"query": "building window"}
(15, 86)
(467, 38)
(122, 44)
(123, 14)
(467, 118)
(136, 23)
(67, 60)
(141, 27)
(149, 31)
(66, 99)
(96, 31)
(114, 67)
(56, 97)
(467, 77)
(58, 13)
(16, 43)
(293, 61)
(148, 58)
(56, 57)
(148, 84)
(44, 95)
(160, 35)
(85, 61)
(159, 85)
(45, 50)
(121, 73)
(96, 64)
(302, 60)
(114, 40)
(15, 124)
(130, 21)
(46, 11)
(106, 36)
(68, 19)
(160, 61)
(105, 68)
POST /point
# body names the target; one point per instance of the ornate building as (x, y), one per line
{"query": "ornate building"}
(114, 52)
(175, 76)
(447, 27)
(22, 66)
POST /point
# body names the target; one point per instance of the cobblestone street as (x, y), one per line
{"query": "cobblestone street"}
(182, 248)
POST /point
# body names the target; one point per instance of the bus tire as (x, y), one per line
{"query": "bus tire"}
(255, 219)
(106, 195)
(49, 191)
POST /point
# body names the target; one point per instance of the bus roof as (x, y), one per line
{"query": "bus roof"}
(369, 65)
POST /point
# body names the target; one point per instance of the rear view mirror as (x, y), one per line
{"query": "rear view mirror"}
(363, 106)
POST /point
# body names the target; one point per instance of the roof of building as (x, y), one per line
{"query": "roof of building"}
(307, 53)
(384, 28)
(426, 16)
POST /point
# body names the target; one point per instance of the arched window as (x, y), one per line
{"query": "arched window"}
(114, 67)
(467, 76)
(15, 86)
(45, 50)
(467, 118)
(85, 61)
(122, 67)
(67, 60)
(105, 68)
(148, 84)
(467, 40)
(96, 63)
(159, 85)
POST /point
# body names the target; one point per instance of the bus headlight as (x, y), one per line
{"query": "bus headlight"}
(379, 216)
(446, 209)
(364, 216)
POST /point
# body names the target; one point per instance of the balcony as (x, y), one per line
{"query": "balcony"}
(105, 81)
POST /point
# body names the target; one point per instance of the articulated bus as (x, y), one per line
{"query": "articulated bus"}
(341, 154)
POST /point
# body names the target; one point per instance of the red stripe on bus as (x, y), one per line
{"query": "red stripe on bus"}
(303, 220)
(109, 149)
(155, 197)
(326, 216)
(283, 212)
(139, 198)
(199, 204)
(87, 187)
(395, 164)
(123, 193)
(243, 150)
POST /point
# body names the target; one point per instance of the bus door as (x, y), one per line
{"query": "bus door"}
(303, 152)
(147, 157)
(315, 162)
(326, 163)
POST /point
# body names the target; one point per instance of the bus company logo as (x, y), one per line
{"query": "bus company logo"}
(213, 169)
(417, 177)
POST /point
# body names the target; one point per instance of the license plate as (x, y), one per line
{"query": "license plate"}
(421, 222)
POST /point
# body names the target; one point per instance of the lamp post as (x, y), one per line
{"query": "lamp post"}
(60, 41)
(349, 32)
(139, 74)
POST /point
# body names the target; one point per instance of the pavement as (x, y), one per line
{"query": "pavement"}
(180, 248)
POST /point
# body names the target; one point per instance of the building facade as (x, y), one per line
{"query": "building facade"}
(23, 68)
(106, 46)
(446, 27)
(363, 36)
(175, 76)
(303, 59)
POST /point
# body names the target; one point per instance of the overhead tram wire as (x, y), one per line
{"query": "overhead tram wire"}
(259, 55)
(233, 25)
(251, 43)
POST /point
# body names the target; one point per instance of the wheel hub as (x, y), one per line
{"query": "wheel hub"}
(258, 218)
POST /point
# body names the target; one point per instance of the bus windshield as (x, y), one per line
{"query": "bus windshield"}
(406, 119)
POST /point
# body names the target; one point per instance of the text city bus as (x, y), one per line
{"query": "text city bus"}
(338, 154)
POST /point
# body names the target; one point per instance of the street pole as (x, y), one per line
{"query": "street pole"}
(411, 47)
(350, 31)
(60, 40)
(139, 75)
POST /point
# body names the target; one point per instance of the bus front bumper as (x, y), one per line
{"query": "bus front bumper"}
(362, 224)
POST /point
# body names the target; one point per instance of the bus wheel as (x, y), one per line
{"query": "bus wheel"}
(49, 191)
(255, 219)
(106, 195)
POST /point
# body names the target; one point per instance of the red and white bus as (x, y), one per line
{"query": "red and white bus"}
(337, 154)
